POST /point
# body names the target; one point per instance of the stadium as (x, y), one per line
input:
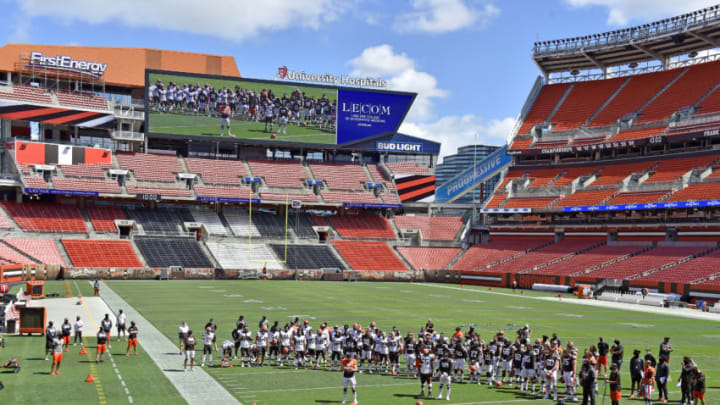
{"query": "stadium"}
(167, 185)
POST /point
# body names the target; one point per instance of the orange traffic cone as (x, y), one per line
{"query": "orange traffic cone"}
(83, 351)
(90, 378)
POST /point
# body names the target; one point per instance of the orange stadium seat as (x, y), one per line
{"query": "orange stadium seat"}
(529, 202)
(653, 258)
(431, 228)
(363, 226)
(150, 167)
(369, 255)
(673, 169)
(421, 258)
(634, 134)
(586, 197)
(101, 253)
(340, 176)
(93, 171)
(477, 257)
(224, 172)
(496, 200)
(407, 168)
(164, 191)
(612, 175)
(340, 197)
(541, 256)
(711, 104)
(594, 257)
(109, 187)
(697, 192)
(584, 99)
(689, 271)
(103, 218)
(45, 217)
(543, 105)
(280, 173)
(637, 197)
(44, 251)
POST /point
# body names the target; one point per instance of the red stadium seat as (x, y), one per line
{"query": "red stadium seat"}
(369, 256)
(45, 217)
(431, 228)
(101, 253)
(363, 226)
(421, 258)
(477, 257)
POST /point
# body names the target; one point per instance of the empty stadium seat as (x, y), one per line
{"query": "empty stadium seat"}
(44, 251)
(239, 221)
(379, 177)
(10, 256)
(674, 169)
(340, 176)
(634, 134)
(421, 258)
(544, 255)
(210, 220)
(93, 171)
(103, 217)
(35, 182)
(529, 202)
(586, 197)
(243, 256)
(163, 191)
(224, 192)
(520, 144)
(543, 177)
(160, 220)
(594, 257)
(407, 168)
(289, 174)
(363, 226)
(307, 257)
(289, 197)
(150, 167)
(270, 225)
(223, 172)
(614, 174)
(639, 90)
(431, 228)
(685, 273)
(496, 200)
(340, 197)
(545, 102)
(45, 217)
(645, 261)
(685, 92)
(584, 99)
(369, 255)
(697, 192)
(84, 100)
(637, 197)
(166, 252)
(477, 257)
(101, 253)
(302, 225)
(711, 104)
(21, 92)
(107, 187)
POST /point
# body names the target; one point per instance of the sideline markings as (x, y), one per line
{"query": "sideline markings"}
(197, 387)
(91, 361)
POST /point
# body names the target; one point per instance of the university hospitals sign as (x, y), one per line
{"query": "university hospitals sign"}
(64, 62)
(285, 74)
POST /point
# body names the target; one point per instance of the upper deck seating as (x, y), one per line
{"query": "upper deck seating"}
(149, 166)
(431, 228)
(544, 104)
(584, 99)
(341, 176)
(220, 172)
(279, 173)
(45, 217)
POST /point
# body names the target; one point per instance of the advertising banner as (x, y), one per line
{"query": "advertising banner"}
(473, 176)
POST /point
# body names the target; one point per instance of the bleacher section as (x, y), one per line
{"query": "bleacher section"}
(594, 257)
(103, 218)
(637, 92)
(697, 192)
(686, 91)
(101, 253)
(92, 171)
(165, 252)
(339, 197)
(637, 265)
(544, 104)
(369, 255)
(587, 197)
(711, 104)
(340, 176)
(160, 220)
(363, 226)
(638, 197)
(224, 192)
(223, 172)
(150, 167)
(279, 173)
(431, 228)
(10, 256)
(302, 225)
(685, 273)
(584, 99)
(83, 100)
(45, 217)
(307, 257)
(407, 168)
(546, 254)
(612, 175)
(239, 221)
(269, 225)
(529, 202)
(235, 255)
(421, 258)
(633, 134)
(673, 169)
(477, 257)
(25, 93)
(110, 187)
(36, 182)
(45, 251)
(210, 220)
(496, 200)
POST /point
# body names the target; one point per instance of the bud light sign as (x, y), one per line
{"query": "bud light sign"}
(362, 114)
(407, 147)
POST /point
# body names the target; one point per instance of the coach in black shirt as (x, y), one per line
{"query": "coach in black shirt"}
(617, 353)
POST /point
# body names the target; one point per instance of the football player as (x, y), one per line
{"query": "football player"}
(349, 368)
(445, 366)
(410, 354)
(569, 365)
(336, 344)
(299, 343)
(424, 364)
(262, 342)
(552, 364)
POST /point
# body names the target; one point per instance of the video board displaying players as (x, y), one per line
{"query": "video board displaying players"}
(223, 108)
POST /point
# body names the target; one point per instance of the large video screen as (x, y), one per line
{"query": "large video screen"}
(225, 108)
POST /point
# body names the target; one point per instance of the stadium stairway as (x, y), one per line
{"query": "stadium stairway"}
(88, 222)
(63, 253)
(138, 253)
(183, 164)
(401, 257)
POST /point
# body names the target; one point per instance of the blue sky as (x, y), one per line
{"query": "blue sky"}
(469, 60)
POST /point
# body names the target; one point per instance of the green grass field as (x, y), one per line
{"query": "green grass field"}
(177, 124)
(406, 306)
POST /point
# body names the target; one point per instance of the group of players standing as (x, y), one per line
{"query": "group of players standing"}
(536, 367)
(261, 106)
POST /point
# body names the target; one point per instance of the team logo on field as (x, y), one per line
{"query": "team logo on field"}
(282, 72)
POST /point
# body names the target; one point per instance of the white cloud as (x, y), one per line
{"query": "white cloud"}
(455, 131)
(232, 20)
(622, 12)
(401, 73)
(439, 16)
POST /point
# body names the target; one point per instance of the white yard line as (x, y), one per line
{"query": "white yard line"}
(681, 312)
(197, 387)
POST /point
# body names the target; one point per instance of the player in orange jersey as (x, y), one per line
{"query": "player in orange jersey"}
(349, 367)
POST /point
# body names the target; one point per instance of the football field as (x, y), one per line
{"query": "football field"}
(406, 306)
(192, 125)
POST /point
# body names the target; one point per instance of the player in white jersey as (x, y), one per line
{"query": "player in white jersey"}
(262, 342)
(245, 343)
(311, 339)
(78, 326)
(285, 337)
(336, 344)
(424, 364)
(394, 349)
(367, 341)
(120, 324)
(268, 117)
(381, 350)
(299, 342)
(208, 338)
(410, 352)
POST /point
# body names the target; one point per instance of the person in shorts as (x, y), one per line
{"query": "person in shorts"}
(50, 334)
(132, 339)
(65, 331)
(183, 330)
(120, 324)
(189, 346)
(349, 367)
(57, 356)
(78, 326)
(102, 339)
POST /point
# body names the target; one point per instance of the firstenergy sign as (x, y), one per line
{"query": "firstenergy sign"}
(64, 62)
